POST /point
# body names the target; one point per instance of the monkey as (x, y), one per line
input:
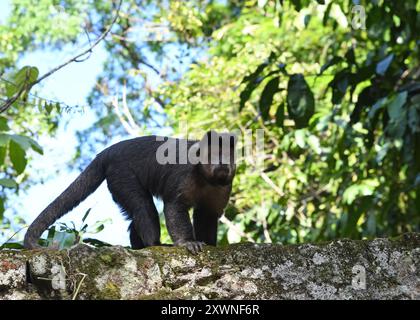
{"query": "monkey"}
(136, 170)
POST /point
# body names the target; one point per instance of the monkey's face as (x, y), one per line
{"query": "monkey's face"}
(217, 157)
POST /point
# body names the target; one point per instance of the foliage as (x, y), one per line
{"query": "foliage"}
(68, 234)
(342, 156)
(31, 25)
(338, 99)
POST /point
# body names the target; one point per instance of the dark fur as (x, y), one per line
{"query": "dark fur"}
(134, 176)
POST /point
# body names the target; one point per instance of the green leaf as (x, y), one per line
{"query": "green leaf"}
(26, 74)
(350, 56)
(4, 139)
(84, 228)
(35, 146)
(314, 143)
(48, 107)
(376, 107)
(417, 181)
(363, 188)
(3, 152)
(415, 100)
(333, 61)
(354, 214)
(8, 183)
(86, 214)
(99, 228)
(383, 66)
(2, 209)
(300, 138)
(300, 100)
(339, 86)
(22, 141)
(253, 80)
(51, 233)
(327, 14)
(96, 242)
(266, 100)
(364, 99)
(3, 124)
(21, 78)
(299, 4)
(40, 104)
(18, 157)
(12, 245)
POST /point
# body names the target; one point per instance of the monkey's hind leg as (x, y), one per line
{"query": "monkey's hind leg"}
(138, 205)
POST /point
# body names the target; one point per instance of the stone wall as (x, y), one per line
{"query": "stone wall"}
(342, 269)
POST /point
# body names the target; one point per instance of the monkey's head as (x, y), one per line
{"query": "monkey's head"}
(217, 157)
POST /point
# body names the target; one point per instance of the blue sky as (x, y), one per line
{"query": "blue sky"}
(70, 85)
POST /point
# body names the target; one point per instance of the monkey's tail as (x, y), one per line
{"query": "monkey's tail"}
(86, 183)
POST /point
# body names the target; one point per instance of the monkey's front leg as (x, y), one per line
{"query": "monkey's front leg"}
(180, 228)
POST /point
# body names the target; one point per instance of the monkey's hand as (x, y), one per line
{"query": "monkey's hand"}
(192, 246)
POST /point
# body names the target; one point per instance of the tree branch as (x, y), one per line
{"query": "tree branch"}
(76, 58)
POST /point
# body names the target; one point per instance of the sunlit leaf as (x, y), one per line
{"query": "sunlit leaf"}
(48, 107)
(8, 183)
(22, 141)
(363, 188)
(3, 124)
(4, 139)
(18, 157)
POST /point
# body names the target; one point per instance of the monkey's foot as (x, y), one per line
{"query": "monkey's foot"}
(192, 246)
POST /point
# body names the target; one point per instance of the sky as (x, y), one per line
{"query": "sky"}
(70, 85)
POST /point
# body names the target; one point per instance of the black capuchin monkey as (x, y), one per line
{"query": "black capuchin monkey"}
(183, 173)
